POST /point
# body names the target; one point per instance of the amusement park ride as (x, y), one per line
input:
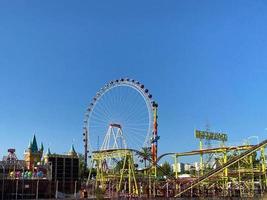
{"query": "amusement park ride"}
(124, 117)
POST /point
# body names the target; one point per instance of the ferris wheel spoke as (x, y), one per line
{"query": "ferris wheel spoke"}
(96, 126)
(134, 111)
(145, 138)
(125, 98)
(98, 122)
(113, 97)
(131, 114)
(138, 124)
(140, 130)
(99, 115)
(104, 102)
(137, 117)
(134, 100)
(99, 111)
(103, 109)
(136, 134)
(108, 104)
(133, 139)
(125, 109)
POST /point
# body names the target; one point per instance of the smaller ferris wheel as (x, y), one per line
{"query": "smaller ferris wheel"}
(122, 115)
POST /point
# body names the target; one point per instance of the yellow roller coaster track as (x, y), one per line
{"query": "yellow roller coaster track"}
(222, 167)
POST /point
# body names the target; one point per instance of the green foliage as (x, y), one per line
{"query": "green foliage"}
(83, 173)
(164, 170)
(99, 193)
(119, 165)
(145, 155)
(246, 162)
(93, 172)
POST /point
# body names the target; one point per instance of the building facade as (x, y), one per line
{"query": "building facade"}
(33, 155)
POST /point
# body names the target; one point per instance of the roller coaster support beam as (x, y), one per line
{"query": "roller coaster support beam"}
(221, 168)
(176, 166)
(239, 177)
(126, 173)
(263, 167)
(252, 175)
(225, 173)
(176, 170)
(201, 166)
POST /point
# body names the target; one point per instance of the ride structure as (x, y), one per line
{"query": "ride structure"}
(122, 117)
(238, 174)
(124, 110)
(155, 138)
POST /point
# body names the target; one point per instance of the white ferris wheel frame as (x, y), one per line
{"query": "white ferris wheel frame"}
(137, 86)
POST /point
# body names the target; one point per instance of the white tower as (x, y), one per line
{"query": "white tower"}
(114, 138)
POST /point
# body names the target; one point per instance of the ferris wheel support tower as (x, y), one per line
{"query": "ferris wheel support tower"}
(155, 138)
(130, 105)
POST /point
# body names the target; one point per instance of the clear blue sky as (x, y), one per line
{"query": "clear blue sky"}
(203, 61)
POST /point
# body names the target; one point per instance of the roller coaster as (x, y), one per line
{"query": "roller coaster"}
(123, 116)
(224, 167)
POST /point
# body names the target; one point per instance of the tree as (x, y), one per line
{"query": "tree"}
(83, 174)
(119, 164)
(165, 170)
(145, 155)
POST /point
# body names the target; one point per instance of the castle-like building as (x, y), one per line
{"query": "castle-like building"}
(33, 154)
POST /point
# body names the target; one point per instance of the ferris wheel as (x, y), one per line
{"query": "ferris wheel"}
(120, 116)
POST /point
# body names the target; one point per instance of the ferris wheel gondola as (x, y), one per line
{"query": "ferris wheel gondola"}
(120, 115)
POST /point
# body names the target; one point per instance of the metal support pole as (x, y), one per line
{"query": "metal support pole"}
(252, 176)
(109, 191)
(75, 190)
(121, 177)
(201, 158)
(154, 144)
(154, 188)
(23, 185)
(263, 167)
(56, 189)
(17, 184)
(37, 188)
(167, 192)
(239, 179)
(260, 184)
(176, 171)
(191, 191)
(149, 185)
(3, 181)
(129, 178)
(90, 172)
(140, 189)
(225, 174)
(176, 166)
(85, 149)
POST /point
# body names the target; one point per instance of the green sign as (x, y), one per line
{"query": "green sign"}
(211, 135)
